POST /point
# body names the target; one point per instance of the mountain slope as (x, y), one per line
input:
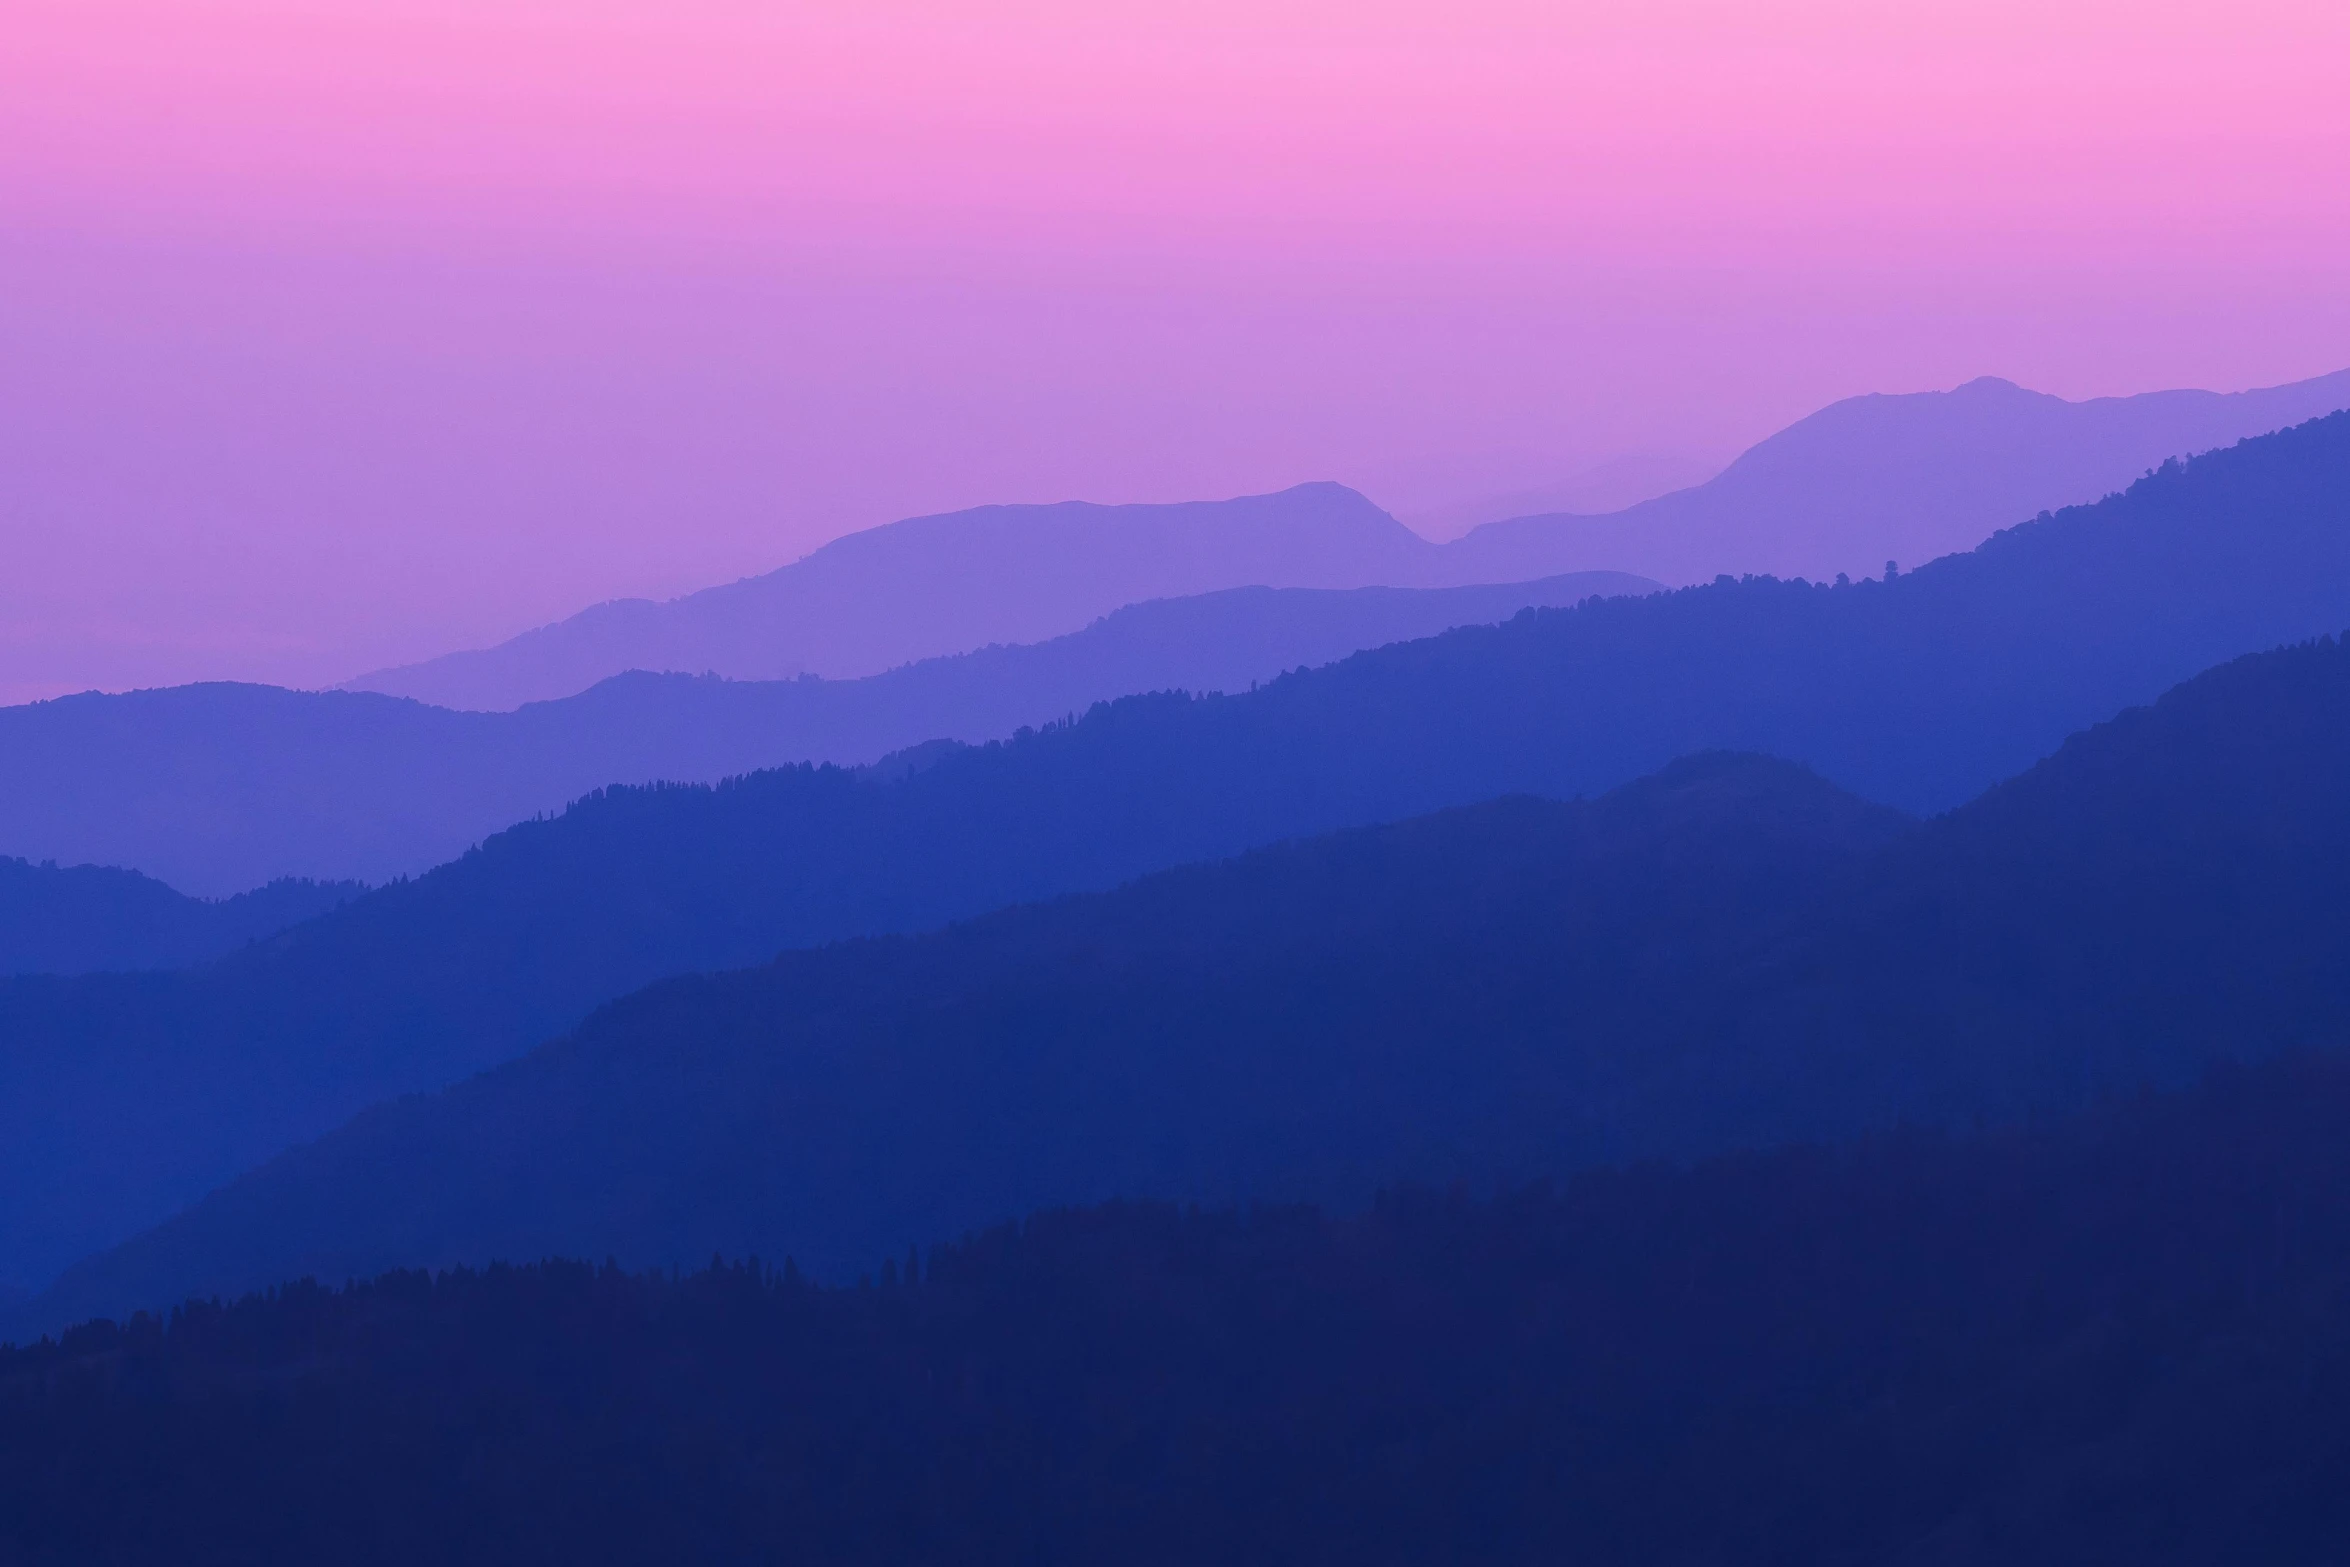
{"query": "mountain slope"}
(929, 586)
(1727, 954)
(125, 1099)
(1908, 478)
(2111, 1339)
(216, 788)
(798, 1059)
(81, 918)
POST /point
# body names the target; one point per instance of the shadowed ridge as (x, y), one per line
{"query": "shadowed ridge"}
(1029, 1110)
(129, 1100)
(2101, 1339)
(1728, 954)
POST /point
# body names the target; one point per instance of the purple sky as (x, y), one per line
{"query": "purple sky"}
(335, 335)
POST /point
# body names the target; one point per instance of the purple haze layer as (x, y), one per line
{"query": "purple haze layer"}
(338, 335)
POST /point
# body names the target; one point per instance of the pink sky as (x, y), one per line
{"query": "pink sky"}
(336, 334)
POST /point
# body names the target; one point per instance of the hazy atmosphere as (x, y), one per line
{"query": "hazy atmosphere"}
(340, 334)
(1270, 783)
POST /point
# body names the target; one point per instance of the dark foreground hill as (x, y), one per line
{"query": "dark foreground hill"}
(216, 788)
(126, 1099)
(80, 918)
(2116, 1340)
(1727, 954)
(129, 1095)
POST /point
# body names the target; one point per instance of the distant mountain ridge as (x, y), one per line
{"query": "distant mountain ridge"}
(125, 1097)
(219, 788)
(1908, 478)
(930, 586)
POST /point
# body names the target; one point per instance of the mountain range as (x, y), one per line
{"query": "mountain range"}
(132, 1095)
(127, 1096)
(218, 788)
(1868, 479)
(1727, 954)
(1772, 1070)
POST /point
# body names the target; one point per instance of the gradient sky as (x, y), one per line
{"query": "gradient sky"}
(338, 334)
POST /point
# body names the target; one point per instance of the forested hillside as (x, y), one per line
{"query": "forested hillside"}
(1727, 954)
(1918, 691)
(2117, 1339)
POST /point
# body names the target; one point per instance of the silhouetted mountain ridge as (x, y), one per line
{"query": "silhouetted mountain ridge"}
(1728, 954)
(1730, 831)
(1908, 478)
(126, 1100)
(220, 787)
(1905, 477)
(929, 586)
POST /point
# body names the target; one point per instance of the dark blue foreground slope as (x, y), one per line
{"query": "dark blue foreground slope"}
(2112, 1341)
